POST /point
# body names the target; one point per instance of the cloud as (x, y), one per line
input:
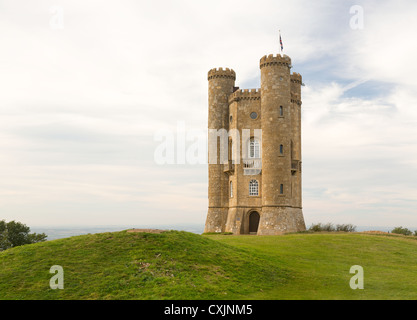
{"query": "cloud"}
(360, 153)
(80, 105)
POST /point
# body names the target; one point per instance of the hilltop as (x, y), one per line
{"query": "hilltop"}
(182, 265)
(130, 265)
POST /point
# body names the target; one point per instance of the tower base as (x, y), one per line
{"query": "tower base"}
(280, 220)
(216, 220)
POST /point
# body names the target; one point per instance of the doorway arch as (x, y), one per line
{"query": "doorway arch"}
(253, 222)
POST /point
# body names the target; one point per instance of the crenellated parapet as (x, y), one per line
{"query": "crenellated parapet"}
(221, 73)
(296, 78)
(245, 94)
(275, 60)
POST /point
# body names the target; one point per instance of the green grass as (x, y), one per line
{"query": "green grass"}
(122, 265)
(319, 264)
(181, 265)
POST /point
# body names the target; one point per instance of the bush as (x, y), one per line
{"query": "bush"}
(401, 230)
(346, 228)
(322, 227)
(330, 227)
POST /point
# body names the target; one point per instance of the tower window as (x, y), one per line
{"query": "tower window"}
(253, 188)
(231, 189)
(281, 149)
(231, 119)
(281, 111)
(253, 115)
(254, 148)
(281, 189)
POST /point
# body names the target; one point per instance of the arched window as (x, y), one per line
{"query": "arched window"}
(253, 188)
(254, 148)
(281, 189)
(231, 189)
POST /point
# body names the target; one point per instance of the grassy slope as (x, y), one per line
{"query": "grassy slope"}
(121, 265)
(180, 265)
(319, 265)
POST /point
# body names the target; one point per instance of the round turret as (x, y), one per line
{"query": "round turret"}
(275, 60)
(296, 82)
(221, 84)
(220, 73)
(276, 126)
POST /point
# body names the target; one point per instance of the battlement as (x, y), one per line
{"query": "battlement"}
(296, 78)
(274, 60)
(245, 94)
(221, 73)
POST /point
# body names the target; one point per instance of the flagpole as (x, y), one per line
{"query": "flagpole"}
(279, 39)
(280, 43)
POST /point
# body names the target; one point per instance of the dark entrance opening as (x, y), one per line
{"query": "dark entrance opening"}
(253, 222)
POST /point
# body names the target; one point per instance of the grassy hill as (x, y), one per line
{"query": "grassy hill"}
(182, 265)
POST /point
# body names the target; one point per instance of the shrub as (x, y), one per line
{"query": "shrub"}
(330, 227)
(322, 227)
(401, 230)
(346, 228)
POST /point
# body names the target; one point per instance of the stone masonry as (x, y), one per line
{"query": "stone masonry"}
(256, 187)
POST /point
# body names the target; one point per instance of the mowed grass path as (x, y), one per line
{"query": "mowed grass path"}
(319, 264)
(182, 265)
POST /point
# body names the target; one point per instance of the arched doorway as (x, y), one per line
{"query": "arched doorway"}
(253, 222)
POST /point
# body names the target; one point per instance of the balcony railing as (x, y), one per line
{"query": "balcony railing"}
(252, 166)
(255, 163)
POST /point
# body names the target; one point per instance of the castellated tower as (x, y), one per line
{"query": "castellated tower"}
(255, 157)
(221, 86)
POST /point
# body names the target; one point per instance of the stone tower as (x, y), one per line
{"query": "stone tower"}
(255, 151)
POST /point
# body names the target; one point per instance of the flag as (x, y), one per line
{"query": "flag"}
(280, 42)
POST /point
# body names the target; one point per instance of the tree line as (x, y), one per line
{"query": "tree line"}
(13, 234)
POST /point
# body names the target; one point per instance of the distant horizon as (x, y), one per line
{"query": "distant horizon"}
(59, 232)
(143, 226)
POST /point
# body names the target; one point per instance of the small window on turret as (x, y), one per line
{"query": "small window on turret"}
(281, 189)
(281, 111)
(281, 149)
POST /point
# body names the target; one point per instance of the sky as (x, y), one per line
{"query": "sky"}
(88, 87)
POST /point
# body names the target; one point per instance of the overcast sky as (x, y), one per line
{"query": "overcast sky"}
(86, 86)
